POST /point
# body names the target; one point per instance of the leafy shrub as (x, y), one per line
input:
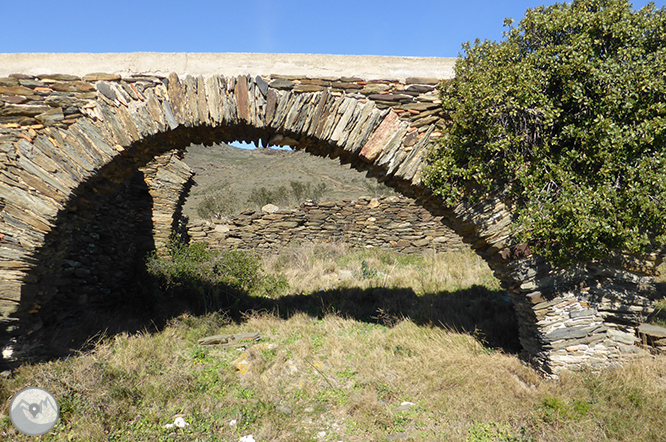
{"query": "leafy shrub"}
(568, 111)
(218, 204)
(302, 192)
(238, 269)
(211, 279)
(366, 271)
(281, 195)
(262, 196)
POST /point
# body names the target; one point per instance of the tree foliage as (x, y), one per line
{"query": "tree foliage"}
(568, 111)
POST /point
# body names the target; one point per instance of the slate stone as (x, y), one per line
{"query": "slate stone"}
(63, 101)
(168, 114)
(285, 77)
(8, 81)
(202, 103)
(14, 99)
(652, 330)
(622, 337)
(22, 76)
(420, 88)
(101, 77)
(346, 86)
(316, 82)
(380, 137)
(16, 90)
(271, 102)
(59, 77)
(282, 83)
(370, 89)
(343, 120)
(414, 160)
(72, 86)
(107, 91)
(421, 80)
(241, 94)
(128, 90)
(23, 110)
(177, 98)
(421, 107)
(32, 83)
(262, 84)
(421, 242)
(319, 108)
(568, 333)
(390, 97)
(308, 88)
(411, 139)
(583, 313)
(212, 93)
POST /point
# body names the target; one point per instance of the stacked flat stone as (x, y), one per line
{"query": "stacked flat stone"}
(71, 149)
(394, 223)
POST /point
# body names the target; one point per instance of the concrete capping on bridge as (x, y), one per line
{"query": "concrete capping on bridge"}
(368, 67)
(91, 178)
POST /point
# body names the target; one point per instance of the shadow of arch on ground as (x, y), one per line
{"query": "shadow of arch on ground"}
(485, 314)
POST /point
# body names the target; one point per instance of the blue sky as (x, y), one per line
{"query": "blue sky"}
(348, 27)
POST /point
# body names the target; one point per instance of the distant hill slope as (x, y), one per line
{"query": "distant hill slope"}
(223, 169)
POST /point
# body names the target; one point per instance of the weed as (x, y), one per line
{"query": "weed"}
(366, 271)
(495, 432)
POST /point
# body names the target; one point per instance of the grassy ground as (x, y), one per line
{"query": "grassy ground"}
(361, 345)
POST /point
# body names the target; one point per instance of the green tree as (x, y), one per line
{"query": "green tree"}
(568, 111)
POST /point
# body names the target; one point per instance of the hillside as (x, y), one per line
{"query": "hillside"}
(229, 170)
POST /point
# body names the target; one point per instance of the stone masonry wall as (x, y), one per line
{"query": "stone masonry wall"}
(65, 140)
(397, 223)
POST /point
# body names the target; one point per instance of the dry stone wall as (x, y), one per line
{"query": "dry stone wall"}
(71, 148)
(395, 223)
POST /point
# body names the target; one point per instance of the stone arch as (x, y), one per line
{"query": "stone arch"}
(93, 133)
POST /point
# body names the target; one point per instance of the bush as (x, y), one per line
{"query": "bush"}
(302, 192)
(262, 196)
(568, 111)
(283, 196)
(218, 204)
(212, 279)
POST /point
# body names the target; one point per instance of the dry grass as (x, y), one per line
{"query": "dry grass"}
(333, 265)
(339, 375)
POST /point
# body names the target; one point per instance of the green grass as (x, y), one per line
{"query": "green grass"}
(335, 364)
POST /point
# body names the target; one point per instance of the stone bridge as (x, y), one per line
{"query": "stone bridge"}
(91, 178)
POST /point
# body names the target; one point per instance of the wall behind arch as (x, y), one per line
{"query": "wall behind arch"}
(395, 223)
